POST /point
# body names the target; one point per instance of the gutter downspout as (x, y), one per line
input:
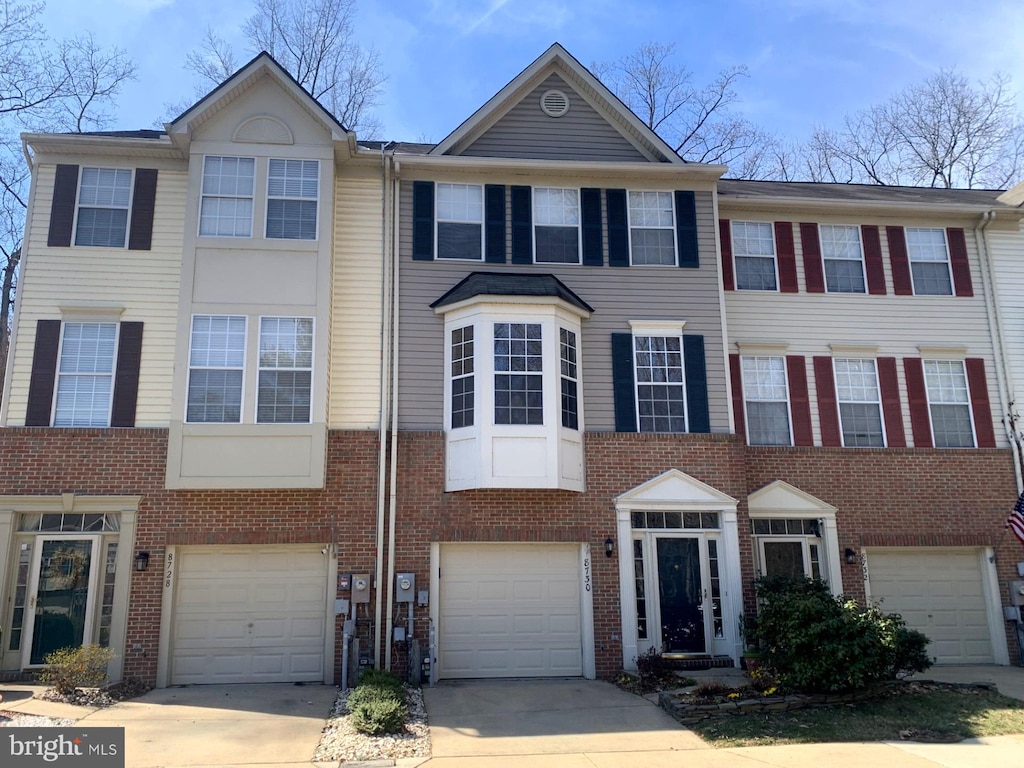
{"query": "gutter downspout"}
(393, 502)
(995, 323)
(385, 331)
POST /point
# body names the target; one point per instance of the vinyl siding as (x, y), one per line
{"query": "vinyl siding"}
(354, 387)
(526, 132)
(1007, 252)
(145, 283)
(810, 322)
(617, 294)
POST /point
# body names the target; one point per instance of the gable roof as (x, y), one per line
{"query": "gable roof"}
(260, 66)
(505, 284)
(556, 59)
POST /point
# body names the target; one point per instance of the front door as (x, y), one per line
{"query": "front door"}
(61, 593)
(681, 595)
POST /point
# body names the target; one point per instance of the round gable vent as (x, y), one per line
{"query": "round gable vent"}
(554, 103)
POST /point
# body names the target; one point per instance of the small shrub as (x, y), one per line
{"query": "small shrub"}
(71, 668)
(379, 681)
(372, 693)
(654, 671)
(377, 712)
(711, 688)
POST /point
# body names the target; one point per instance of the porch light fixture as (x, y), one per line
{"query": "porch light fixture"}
(851, 556)
(142, 561)
(609, 547)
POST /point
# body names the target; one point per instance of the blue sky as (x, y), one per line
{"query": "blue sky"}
(810, 61)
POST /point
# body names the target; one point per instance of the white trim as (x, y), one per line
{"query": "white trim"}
(482, 223)
(788, 402)
(269, 197)
(252, 198)
(169, 584)
(188, 367)
(579, 225)
(878, 401)
(435, 608)
(774, 256)
(672, 227)
(128, 209)
(824, 258)
(969, 404)
(587, 612)
(949, 261)
(112, 374)
(994, 605)
(657, 327)
(936, 352)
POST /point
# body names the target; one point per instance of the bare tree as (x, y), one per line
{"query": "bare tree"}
(315, 41)
(943, 132)
(697, 121)
(44, 86)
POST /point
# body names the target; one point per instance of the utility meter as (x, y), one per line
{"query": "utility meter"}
(360, 588)
(405, 587)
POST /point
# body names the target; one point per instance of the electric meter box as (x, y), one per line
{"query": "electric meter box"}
(360, 587)
(1017, 592)
(405, 587)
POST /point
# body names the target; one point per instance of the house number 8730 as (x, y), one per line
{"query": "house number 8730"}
(586, 573)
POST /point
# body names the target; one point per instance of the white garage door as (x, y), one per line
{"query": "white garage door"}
(939, 592)
(249, 615)
(509, 610)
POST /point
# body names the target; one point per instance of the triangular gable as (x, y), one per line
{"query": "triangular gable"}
(593, 94)
(782, 498)
(675, 489)
(263, 65)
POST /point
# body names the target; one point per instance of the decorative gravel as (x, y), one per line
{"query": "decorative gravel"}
(11, 719)
(340, 741)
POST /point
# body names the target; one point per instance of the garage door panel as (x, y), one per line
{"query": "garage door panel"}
(490, 590)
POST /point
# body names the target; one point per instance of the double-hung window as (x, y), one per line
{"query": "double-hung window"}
(860, 405)
(556, 219)
(949, 404)
(570, 393)
(518, 373)
(929, 262)
(104, 195)
(843, 259)
(753, 245)
(85, 375)
(285, 370)
(216, 364)
(652, 234)
(766, 395)
(292, 192)
(460, 216)
(463, 378)
(660, 383)
(226, 208)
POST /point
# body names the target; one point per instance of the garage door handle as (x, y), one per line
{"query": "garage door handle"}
(249, 625)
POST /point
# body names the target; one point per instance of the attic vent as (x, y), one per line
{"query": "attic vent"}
(554, 103)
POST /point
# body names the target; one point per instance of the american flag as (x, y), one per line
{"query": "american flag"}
(1015, 522)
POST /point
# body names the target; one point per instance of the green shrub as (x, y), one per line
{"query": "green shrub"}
(71, 668)
(373, 692)
(655, 671)
(816, 642)
(376, 712)
(380, 678)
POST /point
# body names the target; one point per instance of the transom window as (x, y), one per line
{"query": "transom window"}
(68, 522)
(285, 370)
(85, 375)
(860, 407)
(463, 378)
(226, 209)
(460, 216)
(949, 404)
(652, 234)
(518, 374)
(657, 520)
(929, 262)
(556, 218)
(766, 395)
(570, 395)
(216, 363)
(660, 383)
(104, 195)
(753, 247)
(292, 191)
(843, 259)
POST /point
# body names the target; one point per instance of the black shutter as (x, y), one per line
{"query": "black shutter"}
(44, 373)
(618, 228)
(593, 237)
(126, 375)
(522, 225)
(423, 220)
(494, 227)
(62, 208)
(623, 385)
(686, 229)
(140, 231)
(696, 384)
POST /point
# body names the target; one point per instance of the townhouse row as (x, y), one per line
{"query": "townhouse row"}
(531, 401)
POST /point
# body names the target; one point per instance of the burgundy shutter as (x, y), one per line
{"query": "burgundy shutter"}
(785, 252)
(892, 408)
(873, 266)
(828, 409)
(126, 375)
(725, 235)
(959, 262)
(736, 378)
(62, 208)
(902, 283)
(810, 244)
(917, 394)
(44, 373)
(140, 231)
(799, 400)
(980, 404)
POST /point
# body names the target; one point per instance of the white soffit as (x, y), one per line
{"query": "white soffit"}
(781, 497)
(675, 488)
